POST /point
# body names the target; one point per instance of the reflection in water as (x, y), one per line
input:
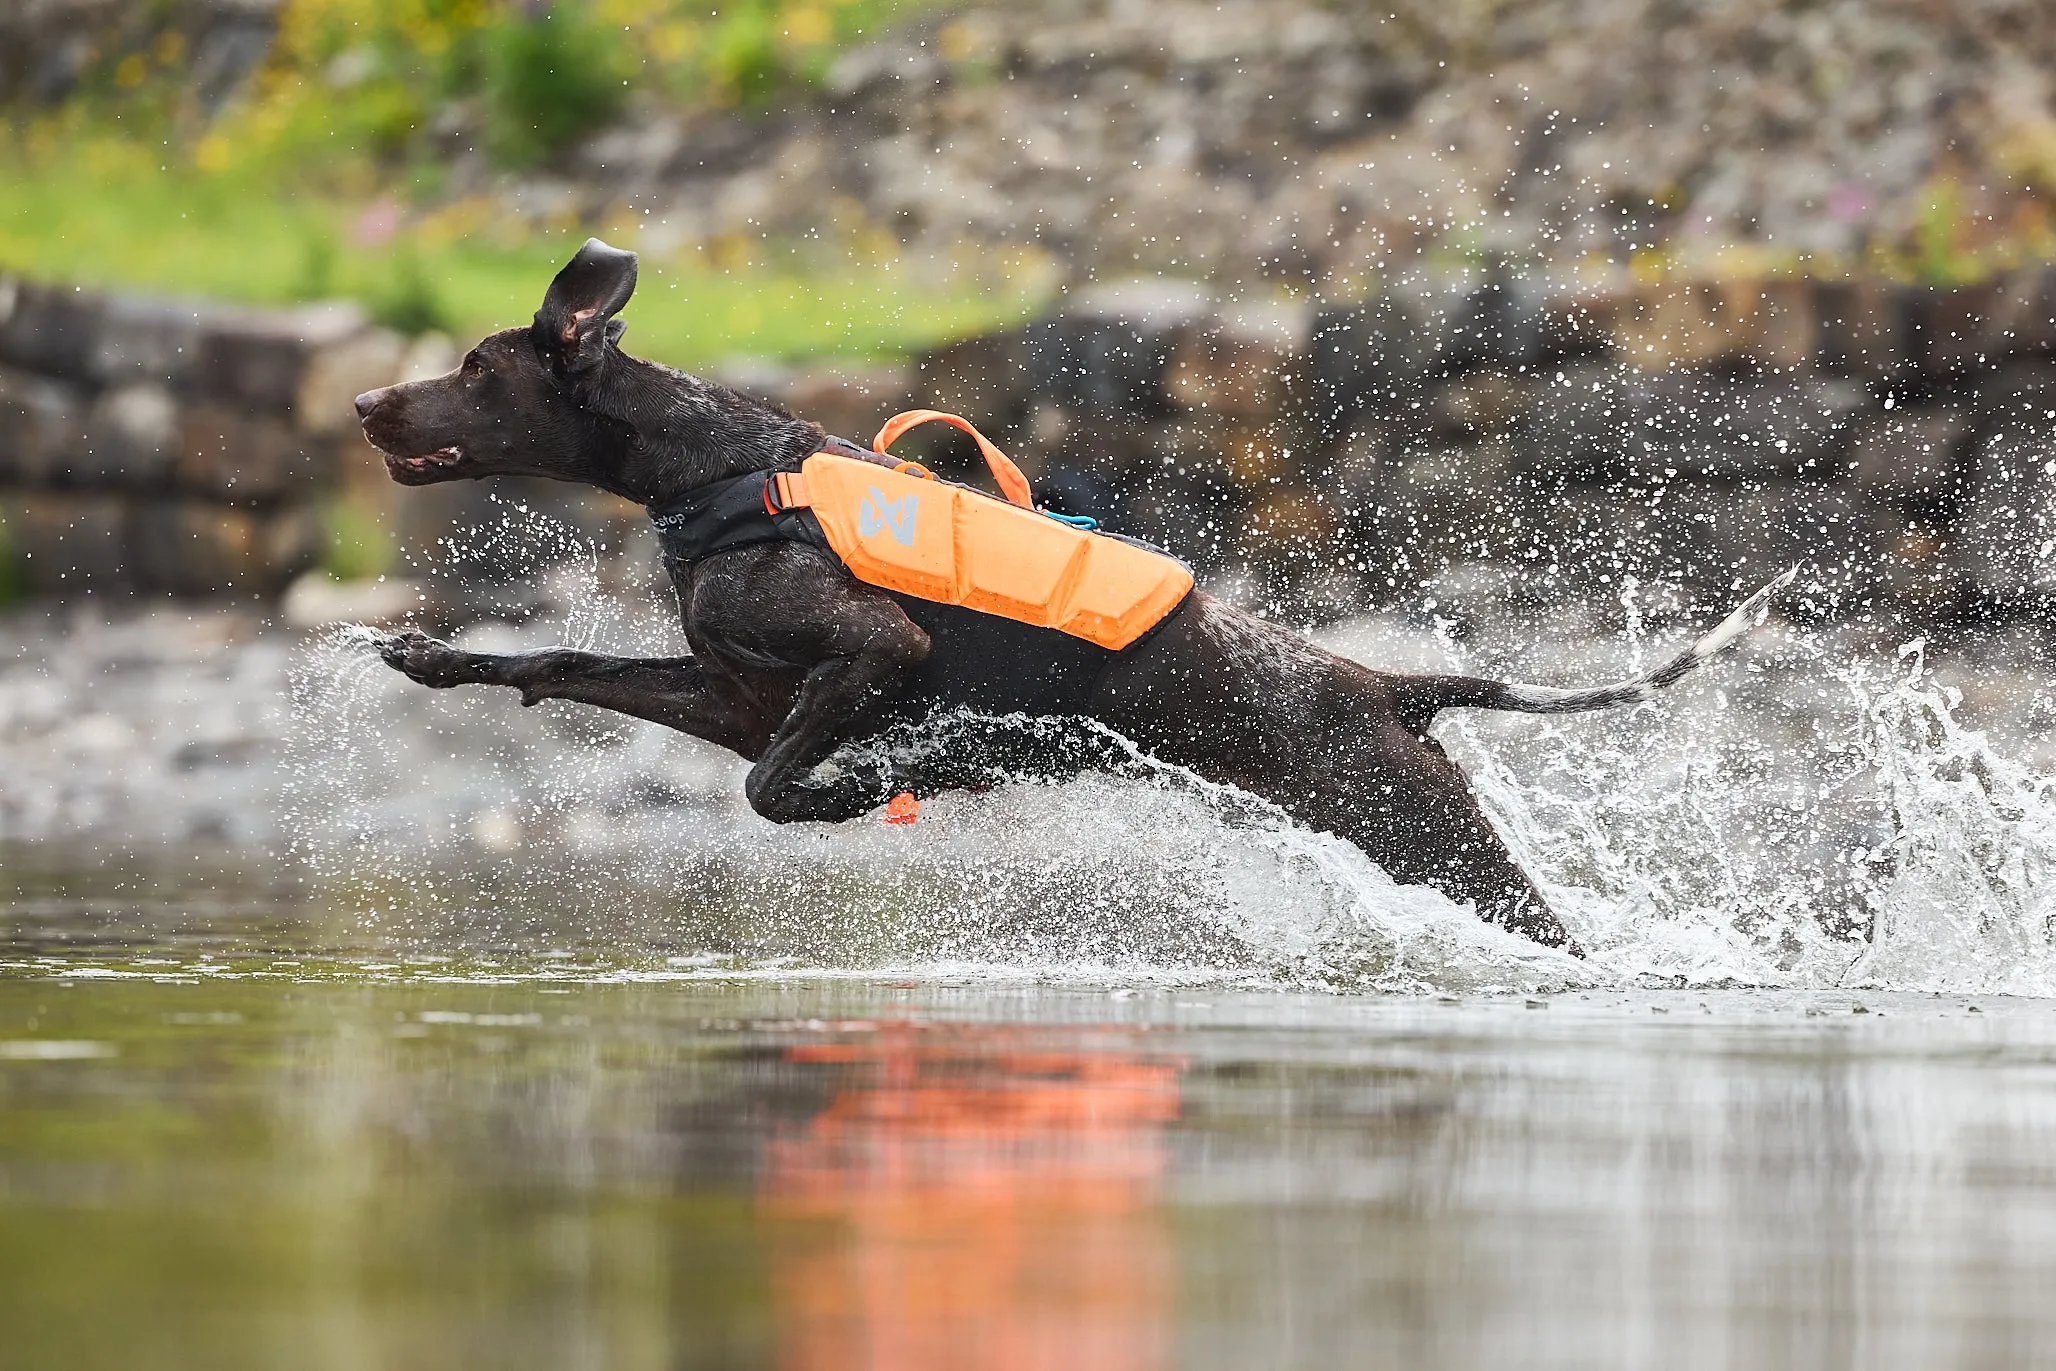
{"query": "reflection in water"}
(966, 1190)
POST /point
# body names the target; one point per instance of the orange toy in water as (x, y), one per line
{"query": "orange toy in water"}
(904, 530)
(903, 808)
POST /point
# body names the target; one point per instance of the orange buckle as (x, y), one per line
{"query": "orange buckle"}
(789, 489)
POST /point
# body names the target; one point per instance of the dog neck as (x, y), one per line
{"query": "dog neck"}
(672, 433)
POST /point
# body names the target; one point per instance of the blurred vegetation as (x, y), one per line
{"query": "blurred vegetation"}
(348, 80)
(327, 175)
(356, 544)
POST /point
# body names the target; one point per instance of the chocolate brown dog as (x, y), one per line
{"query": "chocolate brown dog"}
(794, 659)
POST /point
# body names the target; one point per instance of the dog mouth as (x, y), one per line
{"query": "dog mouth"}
(425, 466)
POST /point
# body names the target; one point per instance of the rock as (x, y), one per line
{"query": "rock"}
(2022, 317)
(851, 399)
(1916, 457)
(42, 428)
(229, 453)
(1503, 325)
(2006, 537)
(1192, 515)
(316, 599)
(986, 375)
(335, 375)
(1865, 331)
(2017, 400)
(131, 438)
(52, 330)
(1673, 324)
(143, 338)
(1601, 421)
(1099, 366)
(63, 543)
(1481, 404)
(1210, 369)
(1948, 327)
(1288, 522)
(195, 547)
(1369, 358)
(262, 359)
(1736, 540)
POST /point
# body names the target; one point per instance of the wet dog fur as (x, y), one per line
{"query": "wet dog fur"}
(790, 653)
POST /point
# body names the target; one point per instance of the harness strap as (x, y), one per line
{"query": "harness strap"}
(1012, 483)
(786, 490)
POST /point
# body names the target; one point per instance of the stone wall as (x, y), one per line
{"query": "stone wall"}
(1898, 441)
(167, 446)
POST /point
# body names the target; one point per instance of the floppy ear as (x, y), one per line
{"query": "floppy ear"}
(572, 328)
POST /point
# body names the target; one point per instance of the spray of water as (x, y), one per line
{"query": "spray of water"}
(1801, 818)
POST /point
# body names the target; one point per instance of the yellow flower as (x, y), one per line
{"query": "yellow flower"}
(808, 25)
(212, 154)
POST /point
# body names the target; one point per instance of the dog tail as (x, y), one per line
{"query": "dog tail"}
(1422, 697)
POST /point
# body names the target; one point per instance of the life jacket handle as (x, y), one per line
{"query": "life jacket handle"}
(1012, 483)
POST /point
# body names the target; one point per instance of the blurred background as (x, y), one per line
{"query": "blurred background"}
(348, 1023)
(1332, 299)
(1504, 322)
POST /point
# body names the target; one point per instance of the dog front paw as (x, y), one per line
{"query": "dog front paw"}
(430, 661)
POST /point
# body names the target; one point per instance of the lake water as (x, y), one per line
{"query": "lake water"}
(234, 1132)
(347, 1024)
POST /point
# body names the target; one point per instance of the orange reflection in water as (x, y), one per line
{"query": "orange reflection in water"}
(995, 1206)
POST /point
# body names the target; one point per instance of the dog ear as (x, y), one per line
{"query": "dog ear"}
(575, 325)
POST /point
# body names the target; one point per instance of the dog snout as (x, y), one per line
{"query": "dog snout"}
(368, 401)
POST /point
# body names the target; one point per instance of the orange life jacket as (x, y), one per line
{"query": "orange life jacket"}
(900, 529)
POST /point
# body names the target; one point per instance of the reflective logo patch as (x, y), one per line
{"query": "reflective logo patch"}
(875, 515)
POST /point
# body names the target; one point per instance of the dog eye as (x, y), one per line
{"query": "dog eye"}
(472, 366)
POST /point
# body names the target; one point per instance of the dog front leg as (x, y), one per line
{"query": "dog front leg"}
(779, 786)
(671, 691)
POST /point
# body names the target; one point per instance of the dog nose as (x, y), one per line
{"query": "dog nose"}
(367, 402)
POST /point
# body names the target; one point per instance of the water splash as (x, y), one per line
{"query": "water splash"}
(1964, 894)
(1796, 819)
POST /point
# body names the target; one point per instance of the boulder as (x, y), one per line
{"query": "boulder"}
(131, 438)
(2022, 317)
(1602, 421)
(230, 453)
(262, 358)
(1211, 369)
(42, 427)
(143, 338)
(64, 543)
(985, 379)
(851, 399)
(2006, 535)
(1865, 329)
(183, 546)
(337, 374)
(1915, 457)
(51, 330)
(2018, 399)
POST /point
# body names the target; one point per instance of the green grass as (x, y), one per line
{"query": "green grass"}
(103, 215)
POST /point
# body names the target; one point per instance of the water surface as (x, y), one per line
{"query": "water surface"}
(241, 1128)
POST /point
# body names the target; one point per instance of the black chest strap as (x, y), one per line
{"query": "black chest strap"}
(733, 512)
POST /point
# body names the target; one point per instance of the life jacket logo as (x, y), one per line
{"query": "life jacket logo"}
(875, 515)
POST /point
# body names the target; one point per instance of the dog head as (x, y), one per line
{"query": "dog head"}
(514, 405)
(560, 399)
